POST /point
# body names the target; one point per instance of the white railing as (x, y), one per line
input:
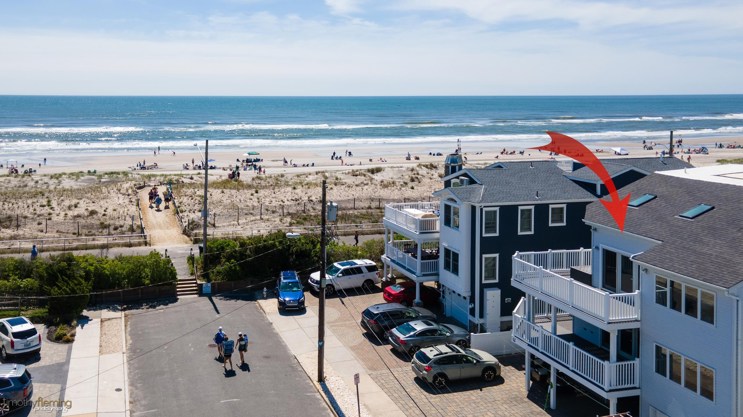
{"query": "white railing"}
(607, 375)
(395, 253)
(533, 271)
(407, 215)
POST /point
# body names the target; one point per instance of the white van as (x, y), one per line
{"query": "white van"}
(347, 274)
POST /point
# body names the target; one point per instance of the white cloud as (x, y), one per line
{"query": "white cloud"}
(344, 7)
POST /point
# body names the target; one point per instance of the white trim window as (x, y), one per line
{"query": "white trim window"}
(490, 268)
(451, 216)
(526, 220)
(692, 301)
(451, 261)
(686, 372)
(558, 214)
(490, 218)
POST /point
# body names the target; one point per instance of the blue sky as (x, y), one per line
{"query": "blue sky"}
(371, 47)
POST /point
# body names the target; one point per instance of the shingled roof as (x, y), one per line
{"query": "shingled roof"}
(518, 182)
(706, 248)
(617, 166)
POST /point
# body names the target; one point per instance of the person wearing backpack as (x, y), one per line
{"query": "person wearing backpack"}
(242, 346)
(227, 349)
(219, 340)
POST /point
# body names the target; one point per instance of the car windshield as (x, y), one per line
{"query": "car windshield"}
(421, 357)
(332, 270)
(290, 286)
(25, 334)
(396, 288)
(473, 354)
(447, 329)
(405, 329)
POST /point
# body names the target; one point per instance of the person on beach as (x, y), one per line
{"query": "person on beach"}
(242, 346)
(227, 349)
(219, 339)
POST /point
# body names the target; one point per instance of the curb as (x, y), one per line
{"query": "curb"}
(318, 388)
(127, 411)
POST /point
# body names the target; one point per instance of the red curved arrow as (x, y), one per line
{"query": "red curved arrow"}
(567, 146)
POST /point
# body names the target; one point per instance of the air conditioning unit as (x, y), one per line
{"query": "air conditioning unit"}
(455, 182)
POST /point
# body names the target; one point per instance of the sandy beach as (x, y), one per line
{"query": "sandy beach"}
(99, 194)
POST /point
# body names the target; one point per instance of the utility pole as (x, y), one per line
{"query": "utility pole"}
(321, 324)
(205, 213)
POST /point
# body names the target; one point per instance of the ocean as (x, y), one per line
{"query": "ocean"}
(39, 125)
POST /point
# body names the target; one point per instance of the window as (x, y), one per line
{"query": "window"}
(557, 215)
(692, 301)
(707, 382)
(451, 261)
(674, 371)
(642, 200)
(690, 374)
(610, 270)
(490, 222)
(708, 307)
(676, 296)
(451, 216)
(661, 360)
(685, 371)
(489, 268)
(661, 291)
(526, 220)
(697, 211)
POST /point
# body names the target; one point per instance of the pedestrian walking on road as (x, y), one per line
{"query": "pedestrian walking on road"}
(34, 252)
(242, 346)
(229, 347)
(219, 339)
(356, 238)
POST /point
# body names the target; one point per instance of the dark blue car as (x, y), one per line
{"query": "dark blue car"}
(289, 291)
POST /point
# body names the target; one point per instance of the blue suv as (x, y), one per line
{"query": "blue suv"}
(289, 291)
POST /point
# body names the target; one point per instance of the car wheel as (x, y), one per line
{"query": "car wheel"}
(440, 380)
(413, 349)
(329, 290)
(3, 354)
(368, 285)
(489, 374)
(463, 344)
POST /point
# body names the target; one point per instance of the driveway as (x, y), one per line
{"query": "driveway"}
(173, 370)
(506, 396)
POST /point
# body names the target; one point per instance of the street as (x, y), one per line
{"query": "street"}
(173, 371)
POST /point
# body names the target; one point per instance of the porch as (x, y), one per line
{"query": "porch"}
(419, 260)
(546, 275)
(416, 218)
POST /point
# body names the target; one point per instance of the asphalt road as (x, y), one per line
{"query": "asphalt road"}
(174, 372)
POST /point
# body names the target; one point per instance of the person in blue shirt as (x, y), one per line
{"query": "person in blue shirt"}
(34, 252)
(229, 347)
(219, 340)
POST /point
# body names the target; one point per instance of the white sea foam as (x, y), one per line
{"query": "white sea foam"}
(36, 130)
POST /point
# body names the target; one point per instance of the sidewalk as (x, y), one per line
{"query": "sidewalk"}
(97, 380)
(299, 332)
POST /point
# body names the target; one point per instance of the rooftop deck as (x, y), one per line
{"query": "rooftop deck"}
(418, 218)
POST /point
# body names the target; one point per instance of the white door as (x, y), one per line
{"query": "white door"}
(492, 309)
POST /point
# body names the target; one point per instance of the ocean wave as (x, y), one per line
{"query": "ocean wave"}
(729, 116)
(40, 130)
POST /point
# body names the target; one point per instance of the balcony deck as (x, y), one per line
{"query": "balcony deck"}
(543, 274)
(404, 255)
(418, 218)
(604, 375)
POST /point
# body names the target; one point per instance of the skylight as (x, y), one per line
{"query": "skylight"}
(696, 211)
(642, 200)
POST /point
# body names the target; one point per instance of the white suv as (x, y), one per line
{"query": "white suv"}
(18, 335)
(347, 274)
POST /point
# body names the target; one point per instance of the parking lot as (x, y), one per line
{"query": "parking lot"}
(505, 396)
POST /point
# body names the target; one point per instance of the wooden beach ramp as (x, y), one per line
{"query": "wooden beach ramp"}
(161, 225)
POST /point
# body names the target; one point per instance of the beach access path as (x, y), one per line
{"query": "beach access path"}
(160, 224)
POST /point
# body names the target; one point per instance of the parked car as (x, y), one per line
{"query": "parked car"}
(443, 363)
(289, 292)
(404, 293)
(410, 337)
(380, 318)
(18, 335)
(16, 387)
(347, 274)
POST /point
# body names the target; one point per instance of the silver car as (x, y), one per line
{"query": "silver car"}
(443, 363)
(412, 336)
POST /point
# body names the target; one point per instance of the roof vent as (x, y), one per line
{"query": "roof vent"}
(697, 211)
(531, 164)
(537, 196)
(642, 200)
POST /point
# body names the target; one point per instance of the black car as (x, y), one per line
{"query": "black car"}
(16, 387)
(382, 317)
